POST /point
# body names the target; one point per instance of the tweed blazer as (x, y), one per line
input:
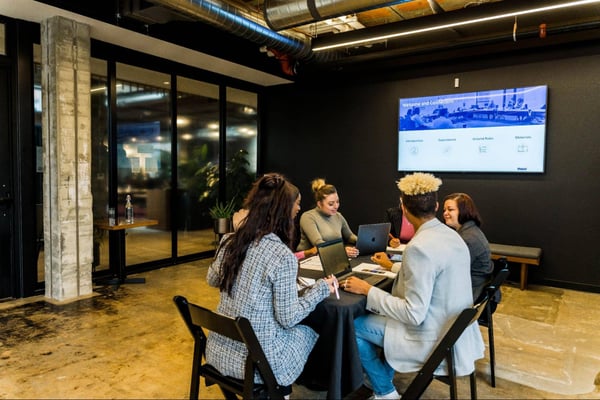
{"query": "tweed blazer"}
(432, 287)
(265, 292)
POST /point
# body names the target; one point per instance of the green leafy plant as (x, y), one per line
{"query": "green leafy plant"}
(223, 210)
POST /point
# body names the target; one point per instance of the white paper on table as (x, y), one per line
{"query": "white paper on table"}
(313, 263)
(304, 282)
(398, 249)
(373, 269)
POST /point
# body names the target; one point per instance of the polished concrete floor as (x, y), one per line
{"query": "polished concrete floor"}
(129, 342)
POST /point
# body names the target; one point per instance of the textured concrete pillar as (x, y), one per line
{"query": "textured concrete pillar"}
(66, 135)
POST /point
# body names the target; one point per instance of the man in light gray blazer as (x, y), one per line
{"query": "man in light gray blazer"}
(432, 287)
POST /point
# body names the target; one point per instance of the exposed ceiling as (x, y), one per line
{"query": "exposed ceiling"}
(242, 31)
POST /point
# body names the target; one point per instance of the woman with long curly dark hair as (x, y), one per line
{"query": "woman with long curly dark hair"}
(255, 271)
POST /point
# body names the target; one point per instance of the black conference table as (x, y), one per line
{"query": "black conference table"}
(334, 364)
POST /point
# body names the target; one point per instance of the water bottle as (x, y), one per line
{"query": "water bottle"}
(128, 210)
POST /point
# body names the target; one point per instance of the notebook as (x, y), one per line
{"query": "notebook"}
(335, 262)
(373, 238)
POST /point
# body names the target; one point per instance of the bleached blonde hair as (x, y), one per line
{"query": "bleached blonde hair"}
(419, 183)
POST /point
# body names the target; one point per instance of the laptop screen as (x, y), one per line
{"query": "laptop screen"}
(333, 257)
(373, 238)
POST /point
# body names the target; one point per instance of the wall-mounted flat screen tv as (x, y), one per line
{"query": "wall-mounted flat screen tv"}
(487, 131)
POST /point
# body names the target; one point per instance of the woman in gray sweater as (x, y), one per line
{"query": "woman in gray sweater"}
(325, 222)
(461, 214)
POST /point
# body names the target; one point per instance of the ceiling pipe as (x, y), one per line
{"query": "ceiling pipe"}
(233, 20)
(435, 7)
(285, 14)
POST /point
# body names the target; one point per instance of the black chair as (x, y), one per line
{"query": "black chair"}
(445, 351)
(198, 318)
(492, 292)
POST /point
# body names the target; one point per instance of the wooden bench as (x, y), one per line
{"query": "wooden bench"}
(526, 256)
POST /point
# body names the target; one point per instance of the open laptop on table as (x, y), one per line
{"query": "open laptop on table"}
(373, 238)
(335, 262)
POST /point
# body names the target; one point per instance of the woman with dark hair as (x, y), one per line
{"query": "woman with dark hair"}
(325, 222)
(256, 271)
(460, 213)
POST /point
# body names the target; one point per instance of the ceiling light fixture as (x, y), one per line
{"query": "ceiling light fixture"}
(452, 25)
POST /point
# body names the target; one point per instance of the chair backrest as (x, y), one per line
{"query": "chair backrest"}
(501, 265)
(496, 282)
(198, 318)
(443, 351)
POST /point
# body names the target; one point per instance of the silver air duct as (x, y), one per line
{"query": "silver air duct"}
(226, 17)
(284, 14)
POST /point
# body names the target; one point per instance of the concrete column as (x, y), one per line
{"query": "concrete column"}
(66, 136)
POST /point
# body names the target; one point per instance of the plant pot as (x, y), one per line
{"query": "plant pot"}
(223, 225)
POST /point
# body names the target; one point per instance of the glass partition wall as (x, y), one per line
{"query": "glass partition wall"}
(143, 150)
(241, 142)
(197, 160)
(166, 146)
(100, 158)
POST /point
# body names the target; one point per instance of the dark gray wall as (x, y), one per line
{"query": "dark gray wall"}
(347, 133)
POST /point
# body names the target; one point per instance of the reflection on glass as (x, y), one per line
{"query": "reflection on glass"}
(100, 159)
(198, 159)
(241, 136)
(144, 159)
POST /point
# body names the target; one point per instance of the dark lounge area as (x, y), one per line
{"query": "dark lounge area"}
(177, 100)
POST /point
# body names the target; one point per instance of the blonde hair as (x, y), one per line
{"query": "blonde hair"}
(419, 183)
(321, 189)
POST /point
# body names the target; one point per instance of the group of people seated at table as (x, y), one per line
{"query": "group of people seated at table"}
(255, 269)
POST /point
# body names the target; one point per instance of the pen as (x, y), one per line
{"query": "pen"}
(335, 287)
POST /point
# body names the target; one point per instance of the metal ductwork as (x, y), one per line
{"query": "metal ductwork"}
(289, 47)
(233, 20)
(285, 14)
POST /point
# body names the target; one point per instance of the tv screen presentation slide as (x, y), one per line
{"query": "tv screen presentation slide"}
(487, 131)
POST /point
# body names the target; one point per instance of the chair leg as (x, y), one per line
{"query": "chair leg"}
(492, 350)
(195, 381)
(451, 374)
(473, 382)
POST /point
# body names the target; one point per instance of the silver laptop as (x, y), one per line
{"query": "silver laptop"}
(335, 262)
(373, 238)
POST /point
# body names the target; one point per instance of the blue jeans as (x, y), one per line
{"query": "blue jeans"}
(369, 338)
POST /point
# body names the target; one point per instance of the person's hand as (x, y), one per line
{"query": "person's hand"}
(356, 285)
(394, 241)
(310, 252)
(382, 259)
(352, 252)
(332, 282)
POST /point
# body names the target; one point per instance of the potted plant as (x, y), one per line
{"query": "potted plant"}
(222, 214)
